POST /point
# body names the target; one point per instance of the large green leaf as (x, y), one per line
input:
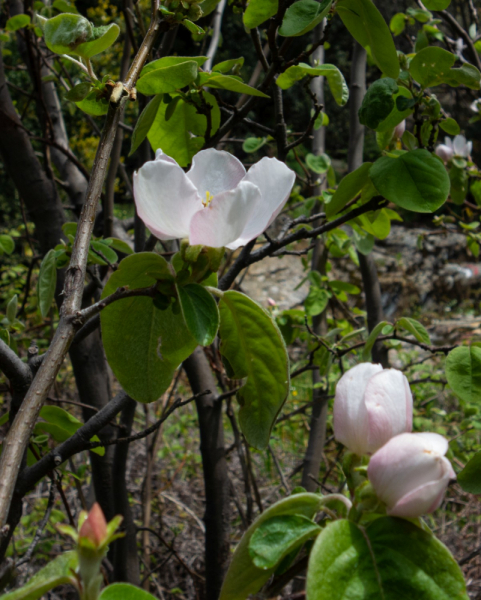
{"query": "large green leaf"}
(255, 349)
(396, 115)
(102, 38)
(258, 11)
(389, 560)
(463, 372)
(243, 577)
(173, 135)
(415, 180)
(279, 536)
(350, 186)
(228, 82)
(415, 328)
(436, 4)
(58, 571)
(144, 345)
(171, 61)
(124, 591)
(335, 79)
(378, 102)
(431, 66)
(366, 24)
(94, 105)
(168, 79)
(65, 32)
(17, 22)
(144, 123)
(47, 281)
(470, 477)
(303, 16)
(200, 312)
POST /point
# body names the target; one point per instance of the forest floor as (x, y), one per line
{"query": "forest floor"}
(427, 276)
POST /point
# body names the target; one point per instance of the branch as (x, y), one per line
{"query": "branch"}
(13, 367)
(84, 315)
(448, 17)
(16, 441)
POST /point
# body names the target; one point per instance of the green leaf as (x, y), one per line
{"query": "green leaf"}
(200, 312)
(194, 29)
(437, 4)
(398, 23)
(366, 25)
(253, 144)
(335, 79)
(78, 92)
(243, 577)
(227, 65)
(350, 186)
(47, 280)
(208, 6)
(303, 16)
(124, 591)
(7, 244)
(316, 301)
(144, 123)
(65, 32)
(470, 477)
(390, 559)
(318, 163)
(103, 251)
(278, 536)
(467, 75)
(450, 126)
(61, 425)
(415, 180)
(371, 340)
(144, 345)
(378, 102)
(463, 372)
(415, 328)
(227, 82)
(17, 22)
(58, 571)
(168, 79)
(431, 66)
(102, 38)
(93, 105)
(258, 11)
(174, 137)
(62, 6)
(119, 245)
(171, 61)
(255, 349)
(12, 307)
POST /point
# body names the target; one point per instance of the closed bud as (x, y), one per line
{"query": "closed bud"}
(94, 528)
(370, 407)
(400, 129)
(410, 473)
(445, 153)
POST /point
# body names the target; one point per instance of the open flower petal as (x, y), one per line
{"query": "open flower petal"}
(215, 171)
(224, 219)
(423, 500)
(275, 181)
(165, 198)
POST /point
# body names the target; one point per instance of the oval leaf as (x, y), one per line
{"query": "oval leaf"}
(463, 372)
(258, 11)
(47, 280)
(350, 186)
(65, 32)
(124, 591)
(102, 38)
(168, 79)
(415, 180)
(255, 349)
(303, 16)
(200, 312)
(470, 477)
(414, 327)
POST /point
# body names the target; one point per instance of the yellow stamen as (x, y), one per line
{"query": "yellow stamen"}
(208, 198)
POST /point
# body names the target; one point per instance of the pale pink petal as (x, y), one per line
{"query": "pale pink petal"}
(222, 221)
(449, 142)
(460, 145)
(159, 155)
(350, 412)
(444, 152)
(215, 171)
(275, 181)
(389, 405)
(165, 199)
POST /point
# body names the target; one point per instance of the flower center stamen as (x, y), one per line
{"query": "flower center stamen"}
(208, 199)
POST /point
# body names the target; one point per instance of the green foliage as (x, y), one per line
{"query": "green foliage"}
(389, 559)
(470, 477)
(437, 4)
(254, 348)
(47, 281)
(463, 372)
(431, 66)
(415, 328)
(366, 24)
(7, 245)
(144, 345)
(415, 180)
(243, 577)
(279, 536)
(258, 11)
(302, 16)
(350, 186)
(228, 82)
(17, 22)
(168, 79)
(200, 312)
(371, 340)
(335, 79)
(378, 102)
(57, 572)
(124, 591)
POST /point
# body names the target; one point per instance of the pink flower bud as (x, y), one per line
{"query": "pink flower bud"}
(410, 473)
(400, 129)
(371, 406)
(94, 528)
(445, 153)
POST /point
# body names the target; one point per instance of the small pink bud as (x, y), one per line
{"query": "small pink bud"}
(94, 528)
(271, 302)
(400, 129)
(445, 152)
(410, 473)
(371, 406)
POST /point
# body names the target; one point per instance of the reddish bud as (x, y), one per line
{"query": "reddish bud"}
(94, 528)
